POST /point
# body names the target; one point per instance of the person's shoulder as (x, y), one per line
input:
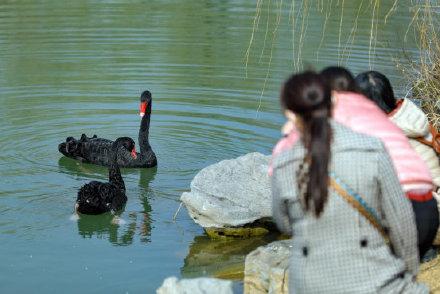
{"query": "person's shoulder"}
(355, 98)
(410, 106)
(353, 105)
(345, 138)
(286, 150)
(411, 119)
(286, 143)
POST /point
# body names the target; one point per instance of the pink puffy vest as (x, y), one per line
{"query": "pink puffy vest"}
(362, 115)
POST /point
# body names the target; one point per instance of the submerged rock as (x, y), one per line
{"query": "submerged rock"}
(266, 269)
(222, 258)
(230, 194)
(256, 229)
(172, 285)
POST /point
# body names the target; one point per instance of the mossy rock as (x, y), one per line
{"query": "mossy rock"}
(258, 228)
(235, 272)
(241, 232)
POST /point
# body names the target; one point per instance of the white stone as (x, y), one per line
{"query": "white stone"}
(266, 269)
(172, 285)
(231, 192)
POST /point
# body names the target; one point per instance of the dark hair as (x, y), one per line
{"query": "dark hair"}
(309, 97)
(339, 79)
(376, 87)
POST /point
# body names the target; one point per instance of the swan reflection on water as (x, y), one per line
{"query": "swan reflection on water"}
(103, 226)
(86, 170)
(75, 168)
(122, 229)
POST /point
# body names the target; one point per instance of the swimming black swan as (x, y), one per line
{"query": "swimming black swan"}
(97, 150)
(98, 197)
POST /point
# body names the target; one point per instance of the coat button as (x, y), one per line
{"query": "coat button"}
(305, 251)
(364, 243)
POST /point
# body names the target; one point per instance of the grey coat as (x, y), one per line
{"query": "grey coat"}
(341, 252)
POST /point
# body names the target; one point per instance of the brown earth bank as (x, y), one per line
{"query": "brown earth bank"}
(430, 274)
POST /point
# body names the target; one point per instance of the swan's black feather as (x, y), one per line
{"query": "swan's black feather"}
(97, 150)
(98, 197)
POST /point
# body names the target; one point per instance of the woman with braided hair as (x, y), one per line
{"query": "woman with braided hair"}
(337, 192)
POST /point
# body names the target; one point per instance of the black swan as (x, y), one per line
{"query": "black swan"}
(97, 150)
(98, 197)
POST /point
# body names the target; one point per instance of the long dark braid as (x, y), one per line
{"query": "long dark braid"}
(309, 97)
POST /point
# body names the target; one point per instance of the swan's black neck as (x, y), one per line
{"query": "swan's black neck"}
(144, 131)
(114, 173)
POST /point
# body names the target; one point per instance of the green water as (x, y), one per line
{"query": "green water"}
(72, 67)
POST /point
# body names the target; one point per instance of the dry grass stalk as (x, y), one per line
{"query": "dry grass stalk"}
(299, 17)
(424, 74)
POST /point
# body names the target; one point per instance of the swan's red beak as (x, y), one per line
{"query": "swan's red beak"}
(142, 108)
(133, 153)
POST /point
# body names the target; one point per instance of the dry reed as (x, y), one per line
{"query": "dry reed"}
(423, 73)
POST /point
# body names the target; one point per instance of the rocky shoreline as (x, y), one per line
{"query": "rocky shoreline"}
(266, 271)
(232, 198)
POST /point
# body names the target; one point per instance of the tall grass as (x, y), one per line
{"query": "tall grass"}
(298, 20)
(266, 27)
(423, 73)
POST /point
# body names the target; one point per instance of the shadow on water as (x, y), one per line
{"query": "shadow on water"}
(103, 226)
(220, 258)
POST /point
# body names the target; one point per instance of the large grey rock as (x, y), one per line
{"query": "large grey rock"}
(195, 286)
(266, 269)
(230, 193)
